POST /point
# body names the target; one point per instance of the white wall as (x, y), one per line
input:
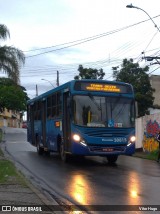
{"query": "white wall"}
(139, 132)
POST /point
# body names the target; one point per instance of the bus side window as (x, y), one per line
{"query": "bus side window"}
(59, 104)
(49, 107)
(54, 105)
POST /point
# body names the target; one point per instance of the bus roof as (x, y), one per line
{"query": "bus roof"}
(72, 83)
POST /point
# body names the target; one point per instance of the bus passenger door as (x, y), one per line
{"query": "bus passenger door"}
(33, 140)
(66, 122)
(44, 122)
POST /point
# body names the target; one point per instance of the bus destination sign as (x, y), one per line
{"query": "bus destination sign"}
(103, 87)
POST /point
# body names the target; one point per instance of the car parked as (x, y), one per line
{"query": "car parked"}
(24, 124)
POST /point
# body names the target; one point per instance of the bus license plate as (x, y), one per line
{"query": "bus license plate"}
(107, 150)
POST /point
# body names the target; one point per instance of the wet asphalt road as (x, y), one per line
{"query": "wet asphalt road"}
(132, 181)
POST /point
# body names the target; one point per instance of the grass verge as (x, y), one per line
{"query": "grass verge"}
(9, 173)
(150, 156)
(1, 135)
(153, 155)
(1, 153)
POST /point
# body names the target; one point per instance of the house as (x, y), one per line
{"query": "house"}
(155, 83)
(9, 118)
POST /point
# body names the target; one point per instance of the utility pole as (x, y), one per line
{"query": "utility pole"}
(57, 78)
(36, 90)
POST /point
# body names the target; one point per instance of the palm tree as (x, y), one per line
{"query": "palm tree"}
(11, 58)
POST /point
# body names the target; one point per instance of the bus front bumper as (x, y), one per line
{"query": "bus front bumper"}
(93, 150)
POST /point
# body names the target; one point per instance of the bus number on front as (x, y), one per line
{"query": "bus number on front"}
(120, 139)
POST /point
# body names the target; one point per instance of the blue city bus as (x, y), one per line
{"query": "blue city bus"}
(84, 118)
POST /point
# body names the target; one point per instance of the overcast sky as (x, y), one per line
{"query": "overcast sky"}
(53, 34)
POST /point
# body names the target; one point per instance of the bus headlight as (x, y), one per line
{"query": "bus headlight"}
(132, 139)
(76, 137)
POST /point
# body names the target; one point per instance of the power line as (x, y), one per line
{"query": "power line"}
(151, 40)
(154, 70)
(103, 62)
(80, 41)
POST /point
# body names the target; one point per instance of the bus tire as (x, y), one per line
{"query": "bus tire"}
(40, 150)
(63, 154)
(112, 158)
(47, 153)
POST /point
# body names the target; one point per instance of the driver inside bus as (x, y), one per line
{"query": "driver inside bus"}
(86, 115)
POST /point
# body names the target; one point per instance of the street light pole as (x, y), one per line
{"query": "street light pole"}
(131, 6)
(49, 82)
(150, 58)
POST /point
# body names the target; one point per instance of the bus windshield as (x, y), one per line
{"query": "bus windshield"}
(102, 111)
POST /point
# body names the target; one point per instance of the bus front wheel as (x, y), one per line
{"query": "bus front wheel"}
(63, 154)
(112, 158)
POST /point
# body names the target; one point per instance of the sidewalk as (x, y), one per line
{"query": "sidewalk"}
(140, 154)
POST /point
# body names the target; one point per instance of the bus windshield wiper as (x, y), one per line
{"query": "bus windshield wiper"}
(95, 102)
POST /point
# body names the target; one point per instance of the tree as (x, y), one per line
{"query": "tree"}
(89, 73)
(12, 96)
(11, 58)
(131, 73)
